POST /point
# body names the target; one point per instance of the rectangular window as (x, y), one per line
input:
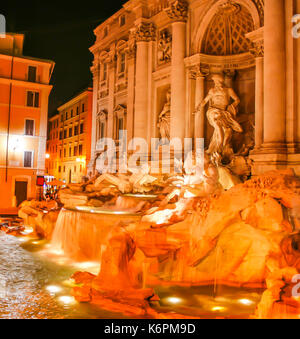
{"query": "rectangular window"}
(65, 153)
(80, 149)
(77, 110)
(70, 152)
(76, 130)
(65, 134)
(122, 20)
(75, 151)
(33, 99)
(60, 153)
(70, 132)
(105, 32)
(29, 127)
(28, 159)
(59, 169)
(32, 74)
(122, 63)
(81, 128)
(83, 108)
(104, 72)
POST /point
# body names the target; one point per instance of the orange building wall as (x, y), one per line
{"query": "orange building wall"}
(13, 170)
(76, 164)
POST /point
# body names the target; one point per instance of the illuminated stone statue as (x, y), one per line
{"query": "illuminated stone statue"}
(164, 119)
(221, 115)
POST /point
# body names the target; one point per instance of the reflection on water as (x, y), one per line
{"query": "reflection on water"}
(200, 301)
(35, 284)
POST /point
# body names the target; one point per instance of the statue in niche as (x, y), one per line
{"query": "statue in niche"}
(164, 119)
(164, 47)
(221, 115)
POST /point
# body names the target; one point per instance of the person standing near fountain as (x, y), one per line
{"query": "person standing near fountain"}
(221, 116)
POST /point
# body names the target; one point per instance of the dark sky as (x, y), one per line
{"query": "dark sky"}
(61, 31)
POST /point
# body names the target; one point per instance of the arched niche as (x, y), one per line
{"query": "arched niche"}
(207, 19)
(221, 46)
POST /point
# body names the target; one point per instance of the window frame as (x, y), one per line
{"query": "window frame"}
(33, 130)
(32, 158)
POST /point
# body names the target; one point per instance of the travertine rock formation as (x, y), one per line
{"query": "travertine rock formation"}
(233, 237)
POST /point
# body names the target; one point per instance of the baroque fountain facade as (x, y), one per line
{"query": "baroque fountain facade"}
(208, 70)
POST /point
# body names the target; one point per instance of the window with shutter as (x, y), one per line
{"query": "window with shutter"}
(28, 159)
(29, 127)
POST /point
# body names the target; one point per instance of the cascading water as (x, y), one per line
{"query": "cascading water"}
(81, 232)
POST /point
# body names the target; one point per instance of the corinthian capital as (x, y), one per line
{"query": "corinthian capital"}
(178, 10)
(145, 31)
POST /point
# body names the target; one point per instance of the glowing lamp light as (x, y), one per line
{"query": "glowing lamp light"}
(67, 300)
(246, 302)
(174, 300)
(53, 289)
(218, 309)
(47, 156)
(16, 144)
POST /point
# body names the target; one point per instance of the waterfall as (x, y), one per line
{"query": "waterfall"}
(82, 234)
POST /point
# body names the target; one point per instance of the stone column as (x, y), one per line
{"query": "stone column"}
(131, 57)
(96, 73)
(145, 33)
(258, 52)
(111, 90)
(274, 77)
(199, 97)
(297, 42)
(178, 13)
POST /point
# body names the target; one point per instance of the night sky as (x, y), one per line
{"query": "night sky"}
(61, 31)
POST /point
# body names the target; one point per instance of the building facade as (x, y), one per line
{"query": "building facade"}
(69, 139)
(151, 48)
(24, 93)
